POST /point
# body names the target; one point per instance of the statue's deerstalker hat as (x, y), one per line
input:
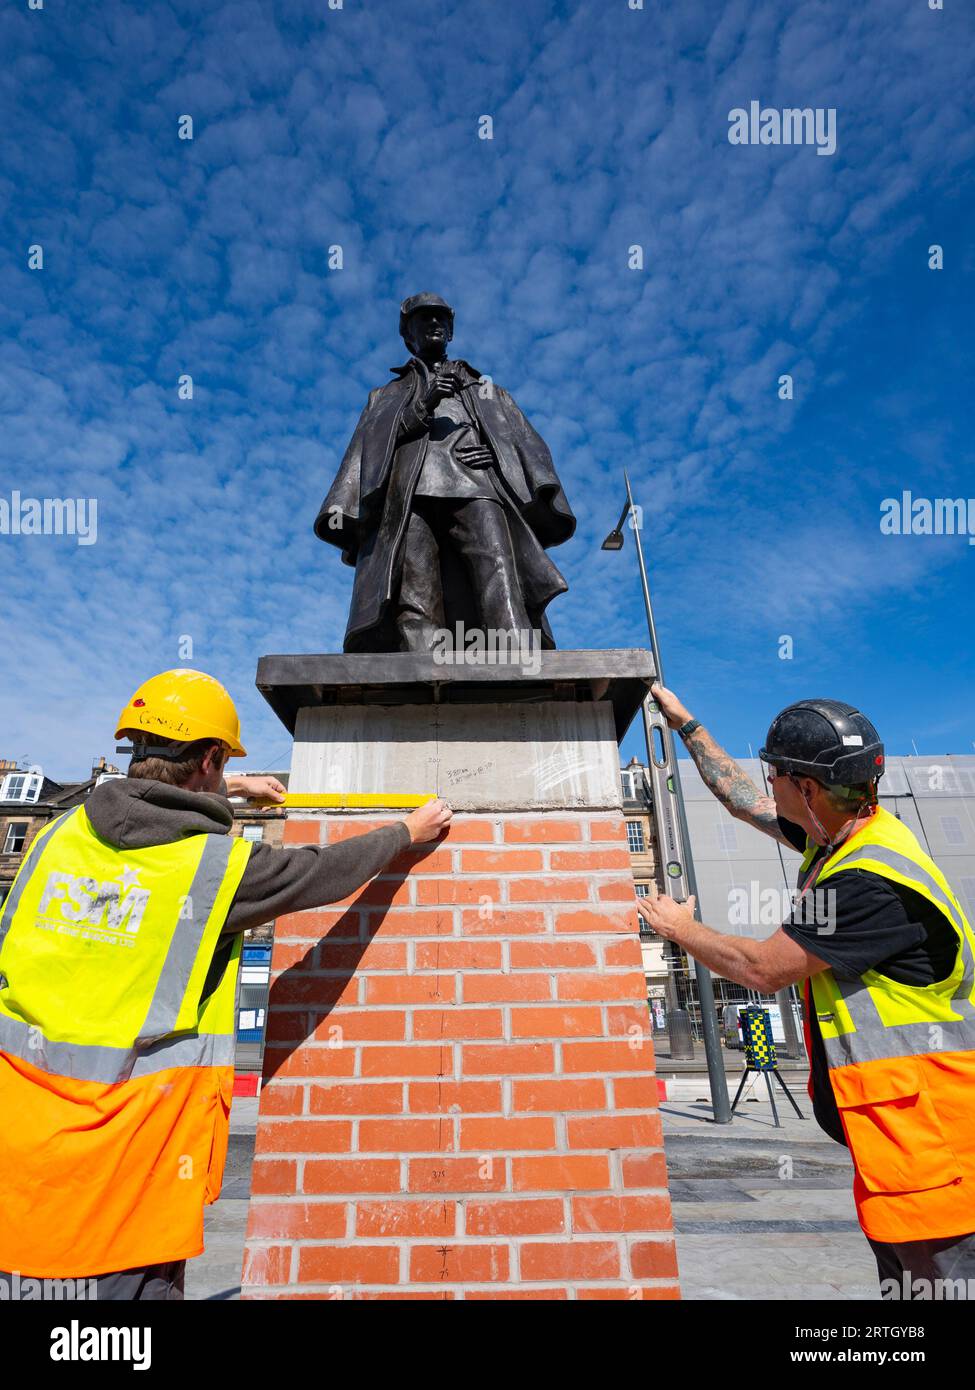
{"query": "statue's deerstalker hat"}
(422, 301)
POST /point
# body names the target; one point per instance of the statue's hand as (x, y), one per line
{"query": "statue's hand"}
(475, 455)
(444, 383)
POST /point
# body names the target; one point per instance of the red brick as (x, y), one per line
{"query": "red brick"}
(472, 831)
(408, 1060)
(410, 989)
(629, 1019)
(456, 890)
(500, 861)
(347, 829)
(560, 1172)
(615, 1132)
(479, 1264)
(348, 1264)
(507, 1133)
(348, 1025)
(508, 1058)
(266, 1264)
(548, 890)
(555, 1023)
(458, 955)
(314, 991)
(430, 1024)
(617, 890)
(625, 954)
(490, 989)
(581, 861)
(457, 1174)
(275, 1177)
(603, 987)
(296, 1220)
(302, 832)
(303, 1136)
(653, 1259)
(635, 1093)
(406, 1136)
(591, 920)
(607, 830)
(420, 860)
(502, 921)
(374, 955)
(309, 1061)
(279, 1099)
(351, 1175)
(524, 1217)
(576, 1259)
(357, 1098)
(468, 1097)
(589, 1094)
(390, 1218)
(429, 921)
(384, 892)
(541, 831)
(607, 1056)
(552, 955)
(293, 955)
(621, 1214)
(644, 1170)
(316, 923)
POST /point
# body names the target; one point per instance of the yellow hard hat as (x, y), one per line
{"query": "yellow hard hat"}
(184, 705)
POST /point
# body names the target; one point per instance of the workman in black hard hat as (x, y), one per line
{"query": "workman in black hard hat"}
(887, 955)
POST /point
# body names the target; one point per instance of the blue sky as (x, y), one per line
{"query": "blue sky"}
(359, 127)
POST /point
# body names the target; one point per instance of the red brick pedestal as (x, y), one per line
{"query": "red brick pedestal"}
(459, 1095)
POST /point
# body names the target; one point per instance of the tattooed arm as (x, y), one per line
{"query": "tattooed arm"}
(721, 774)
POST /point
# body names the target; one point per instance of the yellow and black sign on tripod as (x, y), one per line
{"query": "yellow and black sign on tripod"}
(760, 1056)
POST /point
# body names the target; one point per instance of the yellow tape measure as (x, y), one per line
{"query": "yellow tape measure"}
(349, 800)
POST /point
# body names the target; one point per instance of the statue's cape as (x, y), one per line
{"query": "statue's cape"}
(368, 505)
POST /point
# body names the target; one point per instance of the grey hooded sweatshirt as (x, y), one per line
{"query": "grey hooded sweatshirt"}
(133, 812)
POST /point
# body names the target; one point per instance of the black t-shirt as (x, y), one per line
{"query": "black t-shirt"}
(860, 921)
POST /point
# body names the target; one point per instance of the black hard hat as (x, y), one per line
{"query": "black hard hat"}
(422, 301)
(827, 740)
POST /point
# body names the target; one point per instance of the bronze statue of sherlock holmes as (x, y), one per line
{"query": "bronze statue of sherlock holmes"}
(445, 502)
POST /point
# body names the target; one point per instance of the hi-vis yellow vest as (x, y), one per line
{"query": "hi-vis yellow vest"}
(902, 1058)
(116, 1073)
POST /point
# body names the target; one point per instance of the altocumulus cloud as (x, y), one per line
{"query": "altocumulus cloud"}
(313, 128)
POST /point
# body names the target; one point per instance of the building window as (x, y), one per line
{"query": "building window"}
(252, 832)
(16, 835)
(21, 786)
(634, 837)
(643, 890)
(953, 833)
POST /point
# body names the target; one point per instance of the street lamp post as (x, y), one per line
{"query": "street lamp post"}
(705, 988)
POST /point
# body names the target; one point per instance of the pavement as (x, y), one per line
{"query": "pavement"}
(759, 1212)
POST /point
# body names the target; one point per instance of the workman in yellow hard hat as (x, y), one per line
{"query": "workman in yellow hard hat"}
(119, 945)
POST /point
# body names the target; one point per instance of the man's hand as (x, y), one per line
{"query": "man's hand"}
(475, 455)
(674, 712)
(667, 917)
(429, 821)
(256, 788)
